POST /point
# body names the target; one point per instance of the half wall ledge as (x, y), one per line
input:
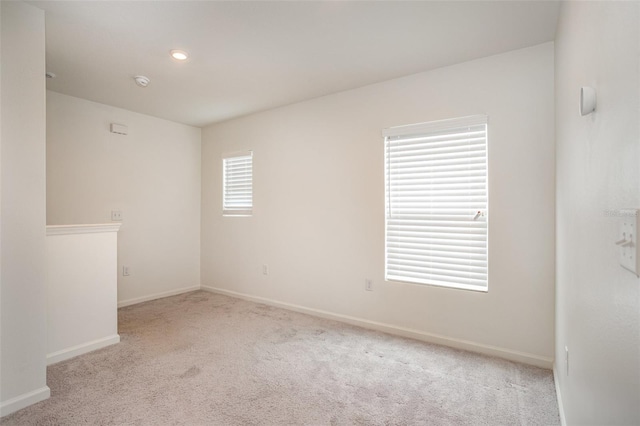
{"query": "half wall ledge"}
(82, 229)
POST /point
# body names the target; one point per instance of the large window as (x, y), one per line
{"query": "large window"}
(237, 184)
(436, 203)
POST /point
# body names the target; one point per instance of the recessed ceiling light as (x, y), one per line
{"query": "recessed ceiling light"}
(180, 55)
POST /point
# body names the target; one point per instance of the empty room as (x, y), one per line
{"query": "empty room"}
(319, 212)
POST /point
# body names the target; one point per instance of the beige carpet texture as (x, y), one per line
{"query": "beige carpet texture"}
(207, 359)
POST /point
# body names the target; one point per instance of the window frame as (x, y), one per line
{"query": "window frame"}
(435, 129)
(227, 205)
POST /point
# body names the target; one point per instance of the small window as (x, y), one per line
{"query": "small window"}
(237, 184)
(436, 203)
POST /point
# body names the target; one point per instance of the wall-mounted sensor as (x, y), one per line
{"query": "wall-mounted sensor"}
(120, 129)
(587, 100)
(141, 80)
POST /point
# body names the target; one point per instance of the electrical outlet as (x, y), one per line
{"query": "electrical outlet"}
(368, 284)
(126, 271)
(265, 269)
(116, 215)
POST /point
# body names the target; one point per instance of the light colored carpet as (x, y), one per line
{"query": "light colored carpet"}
(203, 358)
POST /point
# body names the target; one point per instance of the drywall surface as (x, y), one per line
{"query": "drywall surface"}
(22, 193)
(318, 221)
(598, 174)
(82, 291)
(151, 175)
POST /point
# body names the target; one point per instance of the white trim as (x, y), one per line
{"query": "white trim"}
(522, 357)
(82, 229)
(434, 126)
(247, 153)
(22, 401)
(84, 348)
(136, 300)
(563, 420)
(237, 213)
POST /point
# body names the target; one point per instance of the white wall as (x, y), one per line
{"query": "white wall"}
(22, 193)
(82, 289)
(598, 159)
(318, 218)
(152, 175)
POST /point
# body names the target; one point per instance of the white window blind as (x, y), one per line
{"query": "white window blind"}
(237, 184)
(436, 203)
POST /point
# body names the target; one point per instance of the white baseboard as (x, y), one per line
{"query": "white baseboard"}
(84, 348)
(563, 420)
(22, 401)
(155, 296)
(522, 357)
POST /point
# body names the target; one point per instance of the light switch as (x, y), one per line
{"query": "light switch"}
(628, 240)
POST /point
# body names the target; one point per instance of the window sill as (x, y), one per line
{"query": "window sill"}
(478, 289)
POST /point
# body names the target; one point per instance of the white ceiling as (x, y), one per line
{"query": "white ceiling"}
(250, 56)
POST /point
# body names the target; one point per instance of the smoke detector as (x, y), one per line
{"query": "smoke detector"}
(141, 80)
